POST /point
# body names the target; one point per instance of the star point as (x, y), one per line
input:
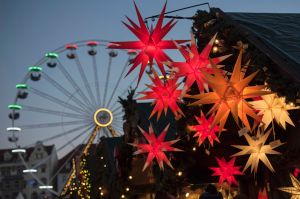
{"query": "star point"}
(294, 190)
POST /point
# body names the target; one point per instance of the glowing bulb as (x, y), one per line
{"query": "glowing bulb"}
(101, 157)
(292, 104)
(164, 77)
(215, 49)
(187, 195)
(104, 165)
(217, 41)
(127, 189)
(100, 188)
(194, 148)
(101, 193)
(122, 196)
(179, 173)
(130, 177)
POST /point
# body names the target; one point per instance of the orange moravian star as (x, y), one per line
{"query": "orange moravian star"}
(229, 95)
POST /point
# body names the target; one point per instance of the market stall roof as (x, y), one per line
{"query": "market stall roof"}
(277, 35)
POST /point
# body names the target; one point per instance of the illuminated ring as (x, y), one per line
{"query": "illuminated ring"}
(99, 122)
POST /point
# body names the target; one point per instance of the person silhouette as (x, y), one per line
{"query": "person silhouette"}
(211, 192)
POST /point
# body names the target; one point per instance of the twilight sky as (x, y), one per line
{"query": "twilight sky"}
(28, 29)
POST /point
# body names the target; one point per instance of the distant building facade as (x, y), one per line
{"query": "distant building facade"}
(64, 168)
(14, 182)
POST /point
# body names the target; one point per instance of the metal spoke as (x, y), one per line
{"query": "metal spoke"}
(117, 126)
(59, 149)
(68, 159)
(73, 83)
(118, 83)
(116, 110)
(54, 124)
(118, 116)
(75, 138)
(106, 81)
(66, 92)
(97, 85)
(118, 122)
(57, 101)
(119, 119)
(69, 132)
(123, 93)
(118, 130)
(106, 132)
(85, 81)
(52, 112)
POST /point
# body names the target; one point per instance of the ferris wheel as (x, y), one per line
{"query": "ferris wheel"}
(69, 97)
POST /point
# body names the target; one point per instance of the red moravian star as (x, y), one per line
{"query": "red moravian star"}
(150, 44)
(226, 171)
(195, 64)
(204, 130)
(165, 95)
(156, 147)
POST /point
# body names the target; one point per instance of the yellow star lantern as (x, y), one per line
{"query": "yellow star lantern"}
(273, 107)
(294, 190)
(257, 149)
(229, 95)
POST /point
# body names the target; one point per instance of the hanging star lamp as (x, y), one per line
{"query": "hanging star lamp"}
(156, 147)
(258, 150)
(294, 190)
(151, 45)
(226, 171)
(165, 94)
(229, 95)
(272, 107)
(262, 194)
(204, 129)
(195, 64)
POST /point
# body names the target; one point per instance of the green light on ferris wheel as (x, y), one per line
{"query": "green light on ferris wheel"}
(51, 55)
(35, 69)
(15, 107)
(21, 86)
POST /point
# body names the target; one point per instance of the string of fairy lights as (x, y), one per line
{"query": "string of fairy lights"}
(81, 184)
